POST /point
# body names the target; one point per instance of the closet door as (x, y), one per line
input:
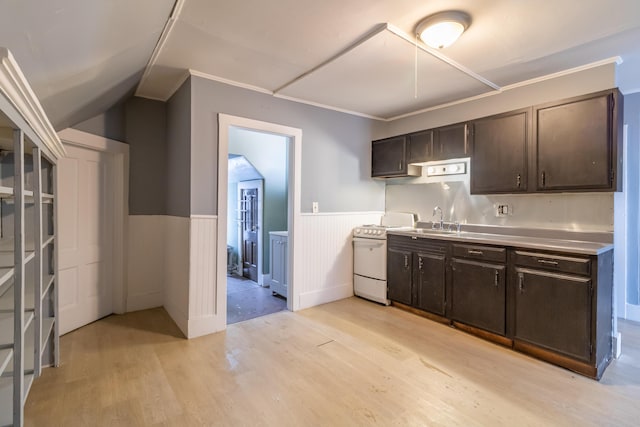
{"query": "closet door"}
(85, 236)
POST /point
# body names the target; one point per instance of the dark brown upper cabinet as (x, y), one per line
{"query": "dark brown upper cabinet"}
(499, 146)
(579, 143)
(450, 142)
(420, 147)
(388, 158)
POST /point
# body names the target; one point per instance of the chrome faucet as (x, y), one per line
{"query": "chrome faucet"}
(436, 209)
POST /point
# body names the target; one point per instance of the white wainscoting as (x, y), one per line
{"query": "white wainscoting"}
(202, 274)
(176, 271)
(327, 255)
(146, 242)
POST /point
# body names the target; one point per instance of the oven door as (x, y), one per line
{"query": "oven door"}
(370, 258)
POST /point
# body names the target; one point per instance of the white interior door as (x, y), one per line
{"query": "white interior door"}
(85, 237)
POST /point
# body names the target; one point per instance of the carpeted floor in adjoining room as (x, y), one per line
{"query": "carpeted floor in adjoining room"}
(246, 300)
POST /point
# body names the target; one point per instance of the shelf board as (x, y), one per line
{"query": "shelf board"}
(47, 196)
(47, 327)
(7, 298)
(47, 241)
(48, 282)
(6, 273)
(6, 191)
(5, 358)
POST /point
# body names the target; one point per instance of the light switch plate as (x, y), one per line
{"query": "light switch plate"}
(314, 207)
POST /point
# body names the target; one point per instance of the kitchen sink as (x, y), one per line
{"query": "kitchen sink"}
(436, 231)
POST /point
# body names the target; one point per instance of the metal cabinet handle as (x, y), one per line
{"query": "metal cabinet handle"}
(519, 180)
(420, 263)
(399, 166)
(497, 278)
(547, 262)
(544, 179)
(521, 282)
(474, 252)
(406, 261)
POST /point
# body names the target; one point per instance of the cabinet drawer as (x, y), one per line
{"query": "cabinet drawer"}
(553, 262)
(484, 253)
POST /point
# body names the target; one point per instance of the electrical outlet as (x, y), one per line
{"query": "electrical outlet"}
(314, 207)
(502, 209)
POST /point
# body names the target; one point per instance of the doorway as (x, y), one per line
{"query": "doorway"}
(92, 183)
(294, 137)
(257, 205)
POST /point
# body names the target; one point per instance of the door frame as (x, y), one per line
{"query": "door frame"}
(259, 184)
(294, 149)
(119, 167)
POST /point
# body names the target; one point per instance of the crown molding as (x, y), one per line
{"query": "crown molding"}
(17, 91)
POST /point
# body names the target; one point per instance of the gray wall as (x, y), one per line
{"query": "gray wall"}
(178, 172)
(632, 163)
(268, 154)
(335, 148)
(110, 124)
(145, 131)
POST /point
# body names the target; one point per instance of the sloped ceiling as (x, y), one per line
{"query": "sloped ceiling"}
(333, 52)
(82, 56)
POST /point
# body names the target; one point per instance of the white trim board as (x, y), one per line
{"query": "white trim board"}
(17, 91)
(225, 123)
(119, 163)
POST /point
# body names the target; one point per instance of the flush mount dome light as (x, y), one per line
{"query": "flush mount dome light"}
(443, 28)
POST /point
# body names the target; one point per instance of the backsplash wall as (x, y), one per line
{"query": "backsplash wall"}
(566, 211)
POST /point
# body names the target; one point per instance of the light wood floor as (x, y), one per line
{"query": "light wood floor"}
(347, 363)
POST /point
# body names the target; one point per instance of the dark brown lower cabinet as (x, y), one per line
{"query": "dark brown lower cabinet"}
(553, 310)
(478, 294)
(561, 308)
(416, 273)
(399, 275)
(430, 282)
(553, 305)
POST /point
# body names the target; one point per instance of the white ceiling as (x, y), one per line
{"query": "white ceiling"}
(81, 56)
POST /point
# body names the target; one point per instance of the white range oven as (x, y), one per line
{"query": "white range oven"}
(370, 256)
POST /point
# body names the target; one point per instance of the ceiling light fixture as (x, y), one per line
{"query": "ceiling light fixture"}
(442, 29)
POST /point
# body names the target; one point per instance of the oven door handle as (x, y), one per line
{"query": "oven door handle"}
(369, 243)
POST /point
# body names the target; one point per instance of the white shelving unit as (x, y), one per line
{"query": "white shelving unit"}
(29, 149)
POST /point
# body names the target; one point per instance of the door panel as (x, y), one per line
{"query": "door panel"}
(554, 310)
(86, 241)
(249, 218)
(399, 268)
(478, 294)
(431, 283)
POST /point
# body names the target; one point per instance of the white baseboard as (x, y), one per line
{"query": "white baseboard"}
(323, 296)
(203, 326)
(633, 312)
(144, 301)
(617, 345)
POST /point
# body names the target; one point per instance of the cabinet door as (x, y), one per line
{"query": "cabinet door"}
(499, 153)
(388, 157)
(420, 147)
(399, 268)
(574, 144)
(478, 294)
(451, 142)
(276, 260)
(430, 283)
(553, 310)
